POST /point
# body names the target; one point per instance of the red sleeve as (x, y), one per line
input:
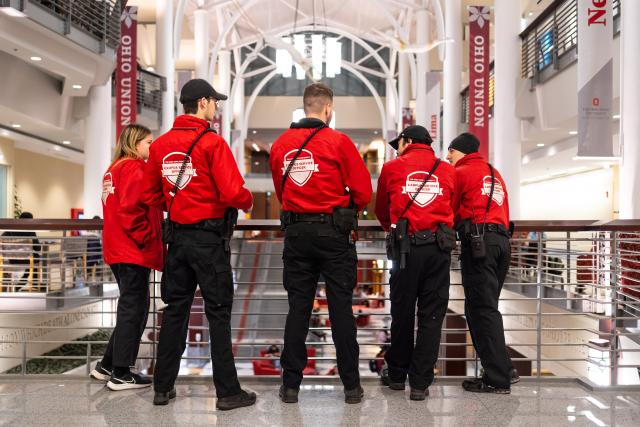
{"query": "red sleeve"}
(132, 213)
(382, 200)
(227, 177)
(355, 174)
(276, 171)
(456, 200)
(152, 194)
(506, 201)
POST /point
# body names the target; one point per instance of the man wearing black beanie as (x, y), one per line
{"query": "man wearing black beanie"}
(482, 221)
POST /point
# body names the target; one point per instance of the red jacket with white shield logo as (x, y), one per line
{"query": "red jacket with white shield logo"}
(131, 229)
(474, 187)
(211, 182)
(326, 173)
(401, 178)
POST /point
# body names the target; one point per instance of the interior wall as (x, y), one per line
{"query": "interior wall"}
(47, 187)
(586, 195)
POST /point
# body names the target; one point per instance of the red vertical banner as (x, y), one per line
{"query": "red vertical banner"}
(407, 117)
(126, 71)
(479, 22)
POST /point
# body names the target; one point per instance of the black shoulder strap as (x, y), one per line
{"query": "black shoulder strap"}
(486, 212)
(183, 167)
(413, 197)
(304, 144)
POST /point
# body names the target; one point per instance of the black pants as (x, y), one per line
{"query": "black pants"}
(131, 318)
(425, 281)
(196, 257)
(311, 249)
(482, 281)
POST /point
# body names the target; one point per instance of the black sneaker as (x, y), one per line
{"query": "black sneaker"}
(101, 373)
(128, 381)
(288, 395)
(244, 398)
(354, 395)
(386, 380)
(163, 398)
(476, 385)
(514, 376)
(417, 394)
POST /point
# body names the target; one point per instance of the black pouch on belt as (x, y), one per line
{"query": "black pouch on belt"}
(286, 219)
(345, 220)
(446, 238)
(478, 246)
(391, 245)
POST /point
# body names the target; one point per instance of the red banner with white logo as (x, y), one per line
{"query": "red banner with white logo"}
(126, 71)
(216, 123)
(479, 22)
(407, 117)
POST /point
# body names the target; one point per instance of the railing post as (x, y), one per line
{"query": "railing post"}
(539, 307)
(24, 358)
(103, 41)
(88, 358)
(613, 339)
(567, 285)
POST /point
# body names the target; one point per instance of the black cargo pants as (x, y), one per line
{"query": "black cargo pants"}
(311, 249)
(196, 257)
(482, 281)
(424, 281)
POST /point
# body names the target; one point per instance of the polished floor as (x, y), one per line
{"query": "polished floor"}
(78, 402)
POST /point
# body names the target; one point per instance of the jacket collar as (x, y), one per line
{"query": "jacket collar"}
(416, 148)
(307, 123)
(469, 158)
(187, 121)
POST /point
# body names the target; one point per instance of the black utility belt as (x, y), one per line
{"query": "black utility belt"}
(490, 228)
(213, 224)
(423, 237)
(322, 218)
(344, 220)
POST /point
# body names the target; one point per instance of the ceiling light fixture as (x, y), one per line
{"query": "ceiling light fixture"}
(66, 142)
(77, 87)
(573, 132)
(36, 58)
(540, 145)
(16, 126)
(616, 116)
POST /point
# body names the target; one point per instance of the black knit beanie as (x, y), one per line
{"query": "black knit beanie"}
(465, 143)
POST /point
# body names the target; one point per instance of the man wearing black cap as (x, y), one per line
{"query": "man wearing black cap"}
(193, 175)
(414, 201)
(482, 221)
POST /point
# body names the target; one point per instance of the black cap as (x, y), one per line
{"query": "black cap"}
(465, 143)
(198, 88)
(415, 132)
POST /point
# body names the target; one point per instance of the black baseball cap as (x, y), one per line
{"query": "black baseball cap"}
(198, 88)
(416, 132)
(465, 143)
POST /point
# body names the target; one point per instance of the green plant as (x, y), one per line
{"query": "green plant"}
(17, 203)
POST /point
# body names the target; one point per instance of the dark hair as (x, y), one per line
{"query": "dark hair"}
(26, 215)
(190, 107)
(316, 96)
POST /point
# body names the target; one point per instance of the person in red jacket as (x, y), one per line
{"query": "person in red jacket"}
(419, 188)
(192, 172)
(482, 221)
(132, 247)
(314, 183)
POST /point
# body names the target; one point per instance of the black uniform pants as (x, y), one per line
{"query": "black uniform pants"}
(311, 249)
(131, 317)
(196, 257)
(482, 281)
(425, 281)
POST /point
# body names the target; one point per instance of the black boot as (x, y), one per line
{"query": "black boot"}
(288, 395)
(239, 400)
(354, 395)
(163, 398)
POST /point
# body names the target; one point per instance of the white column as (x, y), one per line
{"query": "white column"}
(238, 113)
(507, 149)
(391, 107)
(165, 65)
(422, 65)
(629, 198)
(201, 37)
(98, 142)
(224, 83)
(404, 86)
(452, 71)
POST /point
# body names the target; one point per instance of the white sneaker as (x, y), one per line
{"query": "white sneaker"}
(128, 381)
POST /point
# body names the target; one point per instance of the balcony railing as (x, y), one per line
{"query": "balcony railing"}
(570, 303)
(549, 43)
(98, 19)
(149, 91)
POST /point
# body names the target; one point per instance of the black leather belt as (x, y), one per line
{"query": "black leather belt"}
(493, 228)
(321, 218)
(205, 224)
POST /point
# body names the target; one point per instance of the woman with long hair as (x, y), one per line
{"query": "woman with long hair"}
(132, 247)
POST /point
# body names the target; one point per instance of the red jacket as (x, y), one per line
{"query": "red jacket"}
(211, 181)
(326, 174)
(132, 230)
(400, 179)
(474, 187)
